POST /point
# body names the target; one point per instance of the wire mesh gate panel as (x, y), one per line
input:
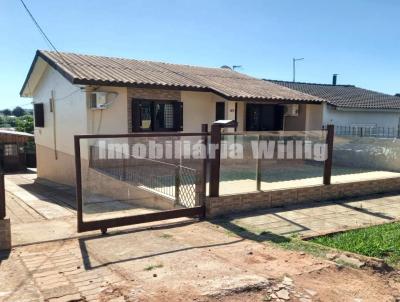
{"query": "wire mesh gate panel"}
(117, 185)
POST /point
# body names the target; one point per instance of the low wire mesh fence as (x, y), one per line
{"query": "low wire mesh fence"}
(367, 131)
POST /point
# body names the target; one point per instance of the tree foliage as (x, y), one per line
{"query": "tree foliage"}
(24, 123)
(18, 118)
(18, 111)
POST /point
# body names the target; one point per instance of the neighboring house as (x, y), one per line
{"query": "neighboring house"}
(13, 150)
(348, 105)
(82, 94)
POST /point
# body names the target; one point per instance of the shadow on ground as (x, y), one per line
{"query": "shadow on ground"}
(100, 259)
(4, 255)
(247, 234)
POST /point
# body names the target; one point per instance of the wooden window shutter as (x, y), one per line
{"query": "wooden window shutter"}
(136, 122)
(178, 116)
(38, 110)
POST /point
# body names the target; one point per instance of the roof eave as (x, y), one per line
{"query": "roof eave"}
(278, 100)
(53, 64)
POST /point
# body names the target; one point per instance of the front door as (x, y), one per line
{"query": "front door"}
(260, 117)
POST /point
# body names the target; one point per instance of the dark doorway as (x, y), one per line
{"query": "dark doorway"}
(260, 117)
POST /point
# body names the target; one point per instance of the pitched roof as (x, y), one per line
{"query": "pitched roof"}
(108, 71)
(346, 96)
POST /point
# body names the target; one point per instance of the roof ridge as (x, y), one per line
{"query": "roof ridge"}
(309, 83)
(130, 59)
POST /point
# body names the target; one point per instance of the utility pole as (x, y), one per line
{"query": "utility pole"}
(294, 67)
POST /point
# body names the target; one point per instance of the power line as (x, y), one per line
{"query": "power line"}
(44, 34)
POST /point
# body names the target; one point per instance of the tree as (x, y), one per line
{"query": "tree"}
(7, 112)
(24, 123)
(18, 111)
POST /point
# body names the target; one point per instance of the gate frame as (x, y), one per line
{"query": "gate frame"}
(104, 224)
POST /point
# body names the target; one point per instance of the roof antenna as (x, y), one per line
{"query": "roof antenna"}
(233, 67)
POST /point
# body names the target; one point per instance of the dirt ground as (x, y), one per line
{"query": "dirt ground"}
(193, 261)
(179, 260)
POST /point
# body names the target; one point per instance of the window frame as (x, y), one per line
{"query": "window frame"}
(154, 127)
(38, 115)
(10, 147)
(219, 110)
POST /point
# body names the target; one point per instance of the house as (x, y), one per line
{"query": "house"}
(14, 151)
(84, 94)
(351, 106)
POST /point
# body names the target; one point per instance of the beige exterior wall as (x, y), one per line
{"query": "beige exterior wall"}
(114, 119)
(198, 109)
(314, 117)
(61, 170)
(309, 118)
(296, 123)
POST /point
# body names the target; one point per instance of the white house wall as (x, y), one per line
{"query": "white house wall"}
(349, 118)
(70, 112)
(70, 119)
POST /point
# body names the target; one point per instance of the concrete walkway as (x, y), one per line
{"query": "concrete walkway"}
(321, 218)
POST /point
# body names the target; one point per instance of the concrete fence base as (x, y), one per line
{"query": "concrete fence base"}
(227, 204)
(5, 234)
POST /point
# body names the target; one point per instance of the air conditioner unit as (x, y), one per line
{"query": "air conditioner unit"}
(98, 100)
(292, 110)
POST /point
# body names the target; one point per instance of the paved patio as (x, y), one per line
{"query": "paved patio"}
(45, 211)
(229, 187)
(321, 218)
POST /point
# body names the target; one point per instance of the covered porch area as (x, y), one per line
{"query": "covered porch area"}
(271, 116)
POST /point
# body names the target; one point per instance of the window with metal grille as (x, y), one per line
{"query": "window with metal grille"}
(10, 150)
(148, 115)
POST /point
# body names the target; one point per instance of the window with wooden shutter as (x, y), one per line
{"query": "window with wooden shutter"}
(38, 111)
(178, 116)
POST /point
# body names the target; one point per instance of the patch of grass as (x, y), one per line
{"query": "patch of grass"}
(382, 241)
(165, 236)
(293, 243)
(311, 248)
(153, 266)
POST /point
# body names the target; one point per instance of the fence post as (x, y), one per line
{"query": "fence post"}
(123, 167)
(258, 168)
(2, 197)
(398, 130)
(215, 162)
(203, 181)
(328, 162)
(177, 184)
(78, 177)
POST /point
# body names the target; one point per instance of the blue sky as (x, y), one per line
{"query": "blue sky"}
(358, 39)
